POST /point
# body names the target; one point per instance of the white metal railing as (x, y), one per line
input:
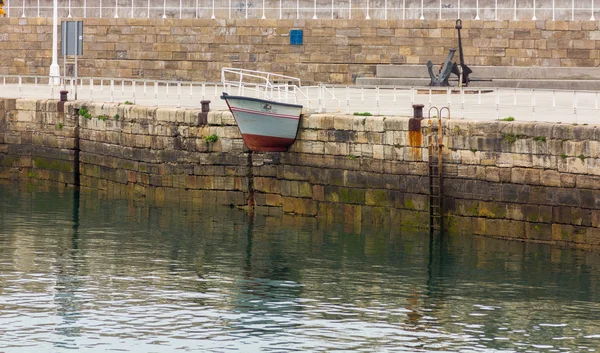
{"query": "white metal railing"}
(312, 9)
(265, 85)
(566, 106)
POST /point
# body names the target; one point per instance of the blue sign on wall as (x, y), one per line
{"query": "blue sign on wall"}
(296, 36)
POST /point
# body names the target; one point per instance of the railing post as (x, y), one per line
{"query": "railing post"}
(164, 9)
(515, 10)
(477, 11)
(314, 8)
(496, 11)
(116, 8)
(553, 11)
(533, 18)
(23, 14)
(367, 17)
(592, 18)
(422, 15)
(385, 10)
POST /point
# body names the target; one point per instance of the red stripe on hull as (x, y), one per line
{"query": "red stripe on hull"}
(267, 143)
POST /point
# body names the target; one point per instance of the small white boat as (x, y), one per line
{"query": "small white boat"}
(268, 121)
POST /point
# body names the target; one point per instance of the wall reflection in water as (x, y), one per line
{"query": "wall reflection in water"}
(90, 272)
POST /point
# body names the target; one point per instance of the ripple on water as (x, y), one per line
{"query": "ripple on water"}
(138, 278)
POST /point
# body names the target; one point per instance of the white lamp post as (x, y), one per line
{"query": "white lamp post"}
(54, 68)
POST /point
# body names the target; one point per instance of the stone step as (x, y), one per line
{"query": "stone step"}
(579, 85)
(497, 72)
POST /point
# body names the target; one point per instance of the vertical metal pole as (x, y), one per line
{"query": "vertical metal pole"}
(213, 10)
(148, 8)
(533, 18)
(54, 68)
(458, 11)
(533, 104)
(164, 9)
(84, 8)
(515, 10)
(477, 11)
(385, 10)
(196, 8)
(314, 8)
(422, 15)
(349, 9)
(69, 16)
(496, 11)
(116, 8)
(100, 8)
(440, 9)
(572, 10)
(403, 9)
(70, 11)
(497, 104)
(131, 8)
(367, 17)
(23, 14)
(592, 18)
(575, 105)
(553, 11)
(181, 8)
(331, 9)
(246, 9)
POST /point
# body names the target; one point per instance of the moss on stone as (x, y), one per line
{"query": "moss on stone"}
(58, 165)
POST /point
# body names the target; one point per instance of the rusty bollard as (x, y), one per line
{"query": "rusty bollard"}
(203, 117)
(414, 124)
(63, 99)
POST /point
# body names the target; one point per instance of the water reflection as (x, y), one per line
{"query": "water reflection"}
(93, 273)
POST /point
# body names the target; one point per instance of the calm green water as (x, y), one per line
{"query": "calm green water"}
(101, 275)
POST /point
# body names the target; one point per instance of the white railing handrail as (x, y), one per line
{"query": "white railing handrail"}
(567, 106)
(309, 9)
(267, 81)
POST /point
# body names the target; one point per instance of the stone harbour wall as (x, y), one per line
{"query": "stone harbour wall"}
(333, 51)
(526, 181)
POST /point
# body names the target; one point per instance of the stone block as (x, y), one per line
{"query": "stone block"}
(525, 176)
(550, 178)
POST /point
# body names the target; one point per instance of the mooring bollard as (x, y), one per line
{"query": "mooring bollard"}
(418, 110)
(63, 99)
(203, 117)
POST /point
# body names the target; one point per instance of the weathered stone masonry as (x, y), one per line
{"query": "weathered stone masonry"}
(528, 181)
(334, 51)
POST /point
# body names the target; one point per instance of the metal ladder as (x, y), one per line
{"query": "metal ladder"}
(434, 167)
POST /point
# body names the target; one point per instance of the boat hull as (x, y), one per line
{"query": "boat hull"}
(266, 126)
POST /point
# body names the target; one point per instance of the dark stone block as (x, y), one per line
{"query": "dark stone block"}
(566, 197)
